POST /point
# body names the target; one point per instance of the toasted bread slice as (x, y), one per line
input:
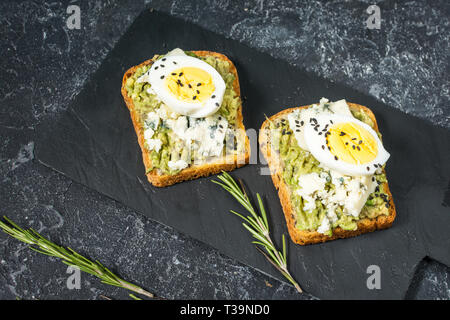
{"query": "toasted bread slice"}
(226, 163)
(304, 237)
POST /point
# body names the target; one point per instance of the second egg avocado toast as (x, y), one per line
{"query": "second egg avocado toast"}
(331, 182)
(187, 113)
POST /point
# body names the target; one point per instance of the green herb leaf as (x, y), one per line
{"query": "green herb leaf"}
(68, 256)
(258, 226)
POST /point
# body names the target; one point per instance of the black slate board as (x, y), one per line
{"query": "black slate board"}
(94, 143)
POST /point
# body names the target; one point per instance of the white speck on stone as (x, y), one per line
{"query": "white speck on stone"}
(25, 154)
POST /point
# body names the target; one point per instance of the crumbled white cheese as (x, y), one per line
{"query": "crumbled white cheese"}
(152, 120)
(206, 135)
(310, 185)
(148, 133)
(349, 192)
(162, 112)
(177, 165)
(175, 52)
(324, 226)
(154, 144)
(179, 126)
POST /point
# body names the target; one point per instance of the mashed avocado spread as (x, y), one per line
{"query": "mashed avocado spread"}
(296, 162)
(170, 152)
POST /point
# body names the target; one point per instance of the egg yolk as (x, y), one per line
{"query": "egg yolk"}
(190, 84)
(351, 143)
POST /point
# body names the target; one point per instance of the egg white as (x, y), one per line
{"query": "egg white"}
(163, 67)
(315, 141)
(304, 116)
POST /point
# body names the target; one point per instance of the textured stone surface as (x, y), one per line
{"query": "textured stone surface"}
(44, 65)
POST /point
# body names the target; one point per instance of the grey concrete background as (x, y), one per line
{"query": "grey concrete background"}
(44, 65)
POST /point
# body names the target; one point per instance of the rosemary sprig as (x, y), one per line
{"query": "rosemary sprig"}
(258, 226)
(70, 257)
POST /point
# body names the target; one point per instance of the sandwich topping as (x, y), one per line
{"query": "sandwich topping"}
(187, 85)
(332, 161)
(188, 109)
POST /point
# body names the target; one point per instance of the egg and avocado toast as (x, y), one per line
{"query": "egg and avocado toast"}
(187, 113)
(327, 162)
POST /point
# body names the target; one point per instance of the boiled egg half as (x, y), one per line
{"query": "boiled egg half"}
(187, 85)
(345, 144)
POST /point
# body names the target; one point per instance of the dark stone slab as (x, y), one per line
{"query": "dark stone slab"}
(94, 143)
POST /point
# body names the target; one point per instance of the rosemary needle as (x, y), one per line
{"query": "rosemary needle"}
(70, 257)
(258, 226)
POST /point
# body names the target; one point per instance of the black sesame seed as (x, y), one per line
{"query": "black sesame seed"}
(353, 147)
(163, 59)
(346, 143)
(162, 66)
(336, 158)
(284, 131)
(297, 122)
(323, 147)
(217, 104)
(213, 96)
(198, 92)
(297, 130)
(357, 147)
(174, 62)
(174, 74)
(331, 121)
(320, 133)
(220, 126)
(302, 122)
(199, 84)
(329, 148)
(353, 138)
(368, 169)
(156, 68)
(162, 77)
(180, 74)
(194, 97)
(342, 133)
(189, 85)
(360, 141)
(373, 179)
